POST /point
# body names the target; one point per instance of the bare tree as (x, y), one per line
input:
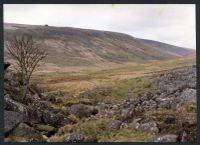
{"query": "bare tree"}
(28, 56)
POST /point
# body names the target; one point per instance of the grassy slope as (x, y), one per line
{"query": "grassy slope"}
(82, 47)
(78, 81)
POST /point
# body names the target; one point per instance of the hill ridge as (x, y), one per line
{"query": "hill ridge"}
(69, 46)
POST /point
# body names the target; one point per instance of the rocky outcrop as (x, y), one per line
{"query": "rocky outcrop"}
(38, 118)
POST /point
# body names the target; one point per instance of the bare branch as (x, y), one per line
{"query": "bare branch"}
(27, 54)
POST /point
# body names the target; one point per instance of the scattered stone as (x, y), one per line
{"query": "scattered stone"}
(189, 95)
(167, 138)
(147, 127)
(149, 105)
(75, 138)
(184, 137)
(124, 125)
(31, 98)
(127, 113)
(135, 123)
(81, 110)
(113, 125)
(53, 119)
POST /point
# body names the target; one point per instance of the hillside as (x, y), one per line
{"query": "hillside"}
(83, 47)
(168, 48)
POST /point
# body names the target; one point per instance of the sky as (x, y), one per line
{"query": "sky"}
(170, 23)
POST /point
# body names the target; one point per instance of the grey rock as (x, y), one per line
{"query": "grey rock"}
(113, 125)
(135, 123)
(44, 95)
(8, 75)
(127, 113)
(11, 121)
(148, 127)
(189, 95)
(12, 105)
(27, 132)
(31, 98)
(81, 110)
(36, 110)
(166, 138)
(149, 105)
(184, 137)
(124, 125)
(52, 119)
(37, 89)
(76, 138)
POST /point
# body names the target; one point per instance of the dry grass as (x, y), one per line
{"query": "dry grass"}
(78, 80)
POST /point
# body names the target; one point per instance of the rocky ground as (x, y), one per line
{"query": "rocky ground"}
(162, 110)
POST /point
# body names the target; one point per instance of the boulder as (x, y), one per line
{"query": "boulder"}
(11, 121)
(189, 95)
(184, 137)
(27, 133)
(166, 138)
(135, 123)
(81, 110)
(124, 126)
(148, 127)
(53, 119)
(36, 109)
(149, 105)
(36, 89)
(31, 98)
(76, 138)
(127, 113)
(12, 105)
(113, 125)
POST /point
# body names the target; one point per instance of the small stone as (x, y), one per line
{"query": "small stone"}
(113, 125)
(167, 138)
(76, 138)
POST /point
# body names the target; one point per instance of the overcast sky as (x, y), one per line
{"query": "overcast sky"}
(173, 24)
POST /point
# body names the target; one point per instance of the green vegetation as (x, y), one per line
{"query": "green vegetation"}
(135, 87)
(125, 135)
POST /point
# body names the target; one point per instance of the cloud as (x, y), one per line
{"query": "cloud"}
(173, 24)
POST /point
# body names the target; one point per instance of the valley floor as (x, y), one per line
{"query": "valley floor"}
(131, 103)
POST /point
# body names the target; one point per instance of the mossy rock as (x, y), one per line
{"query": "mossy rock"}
(45, 128)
